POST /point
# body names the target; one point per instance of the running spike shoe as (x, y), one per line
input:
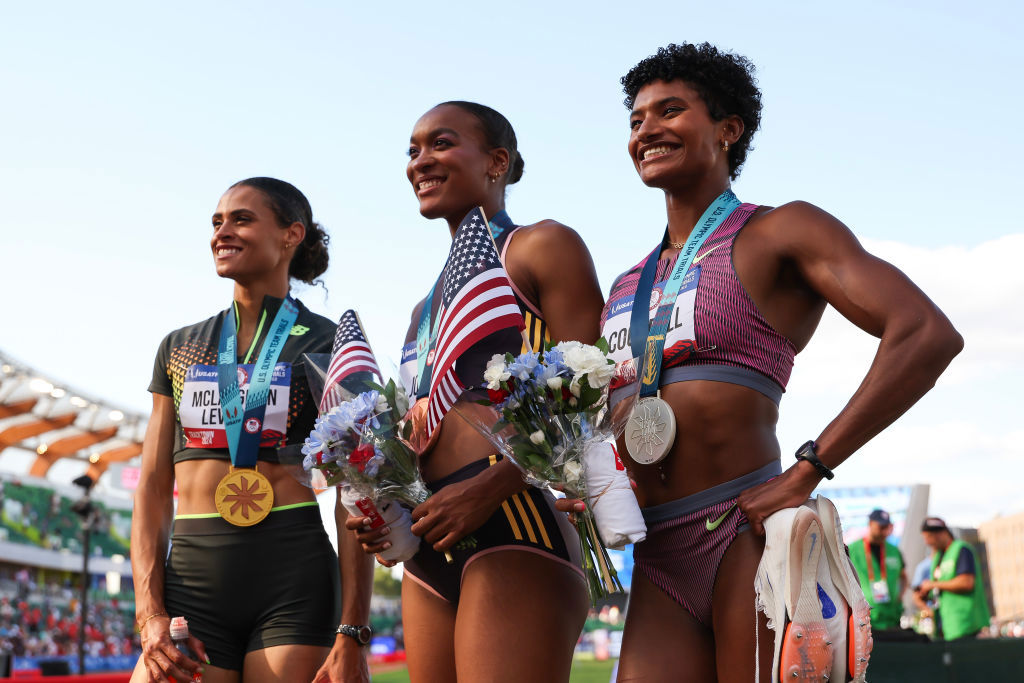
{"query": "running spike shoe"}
(850, 627)
(787, 592)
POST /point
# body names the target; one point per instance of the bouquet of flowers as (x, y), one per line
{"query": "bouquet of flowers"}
(556, 426)
(358, 445)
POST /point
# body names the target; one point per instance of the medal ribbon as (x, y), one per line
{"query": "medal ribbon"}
(648, 347)
(244, 445)
(426, 337)
(426, 334)
(870, 561)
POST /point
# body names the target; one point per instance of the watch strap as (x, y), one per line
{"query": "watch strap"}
(809, 453)
(360, 634)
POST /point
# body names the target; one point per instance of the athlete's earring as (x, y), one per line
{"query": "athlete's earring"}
(725, 146)
(493, 178)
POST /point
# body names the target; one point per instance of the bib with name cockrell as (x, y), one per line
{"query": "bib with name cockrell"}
(186, 370)
(713, 331)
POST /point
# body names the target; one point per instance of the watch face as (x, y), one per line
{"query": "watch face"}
(364, 635)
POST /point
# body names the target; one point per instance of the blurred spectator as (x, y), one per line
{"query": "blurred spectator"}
(882, 572)
(954, 582)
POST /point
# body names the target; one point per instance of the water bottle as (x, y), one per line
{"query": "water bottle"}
(179, 634)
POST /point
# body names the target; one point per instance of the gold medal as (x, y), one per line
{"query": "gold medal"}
(244, 497)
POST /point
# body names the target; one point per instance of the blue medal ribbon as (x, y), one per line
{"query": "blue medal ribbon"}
(647, 339)
(244, 443)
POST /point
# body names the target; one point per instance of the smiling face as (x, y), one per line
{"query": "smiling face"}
(248, 243)
(673, 140)
(450, 167)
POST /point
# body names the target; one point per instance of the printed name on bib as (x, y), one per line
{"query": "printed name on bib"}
(407, 370)
(681, 327)
(200, 411)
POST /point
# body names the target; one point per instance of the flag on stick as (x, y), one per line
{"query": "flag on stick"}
(351, 353)
(476, 301)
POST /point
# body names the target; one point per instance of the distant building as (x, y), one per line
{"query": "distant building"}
(1004, 544)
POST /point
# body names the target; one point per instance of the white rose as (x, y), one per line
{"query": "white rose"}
(382, 405)
(567, 346)
(496, 372)
(537, 437)
(555, 383)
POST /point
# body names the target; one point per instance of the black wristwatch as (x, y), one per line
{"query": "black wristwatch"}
(807, 452)
(361, 634)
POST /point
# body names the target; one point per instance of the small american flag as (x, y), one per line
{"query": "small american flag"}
(351, 353)
(476, 301)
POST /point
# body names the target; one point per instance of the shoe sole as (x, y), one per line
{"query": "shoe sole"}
(859, 640)
(806, 653)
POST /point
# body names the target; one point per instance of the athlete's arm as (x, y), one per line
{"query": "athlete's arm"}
(917, 342)
(347, 660)
(151, 527)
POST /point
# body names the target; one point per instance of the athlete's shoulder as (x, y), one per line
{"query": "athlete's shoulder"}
(790, 216)
(548, 233)
(203, 328)
(314, 321)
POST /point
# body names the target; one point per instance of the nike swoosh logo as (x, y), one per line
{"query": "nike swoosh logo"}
(711, 526)
(704, 255)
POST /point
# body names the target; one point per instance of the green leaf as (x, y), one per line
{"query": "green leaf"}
(602, 344)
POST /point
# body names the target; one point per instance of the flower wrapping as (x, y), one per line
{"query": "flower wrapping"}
(611, 498)
(358, 445)
(554, 425)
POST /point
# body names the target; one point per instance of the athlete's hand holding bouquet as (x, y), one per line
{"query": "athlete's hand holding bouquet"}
(358, 445)
(555, 425)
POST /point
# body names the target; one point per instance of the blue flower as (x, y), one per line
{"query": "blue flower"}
(523, 366)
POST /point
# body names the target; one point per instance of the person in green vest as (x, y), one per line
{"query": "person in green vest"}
(882, 572)
(962, 608)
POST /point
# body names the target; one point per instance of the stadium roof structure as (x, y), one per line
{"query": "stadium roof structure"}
(43, 415)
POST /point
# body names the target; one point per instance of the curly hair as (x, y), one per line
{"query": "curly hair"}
(724, 80)
(291, 206)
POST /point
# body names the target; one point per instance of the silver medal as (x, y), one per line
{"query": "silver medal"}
(650, 431)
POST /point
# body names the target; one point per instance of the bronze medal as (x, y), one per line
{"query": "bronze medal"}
(244, 497)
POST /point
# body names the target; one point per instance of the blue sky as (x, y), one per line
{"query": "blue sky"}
(123, 123)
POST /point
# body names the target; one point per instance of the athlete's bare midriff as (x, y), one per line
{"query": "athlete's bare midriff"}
(459, 443)
(198, 479)
(723, 431)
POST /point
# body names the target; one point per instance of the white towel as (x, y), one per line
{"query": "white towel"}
(404, 543)
(610, 497)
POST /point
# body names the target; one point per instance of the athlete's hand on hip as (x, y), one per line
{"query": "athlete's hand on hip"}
(163, 662)
(346, 663)
(453, 513)
(788, 490)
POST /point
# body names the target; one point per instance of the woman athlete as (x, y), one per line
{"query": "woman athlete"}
(250, 565)
(509, 608)
(751, 299)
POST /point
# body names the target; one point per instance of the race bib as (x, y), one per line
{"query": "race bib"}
(200, 412)
(407, 370)
(680, 327)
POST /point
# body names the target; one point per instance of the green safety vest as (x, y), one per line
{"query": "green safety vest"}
(962, 614)
(887, 614)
